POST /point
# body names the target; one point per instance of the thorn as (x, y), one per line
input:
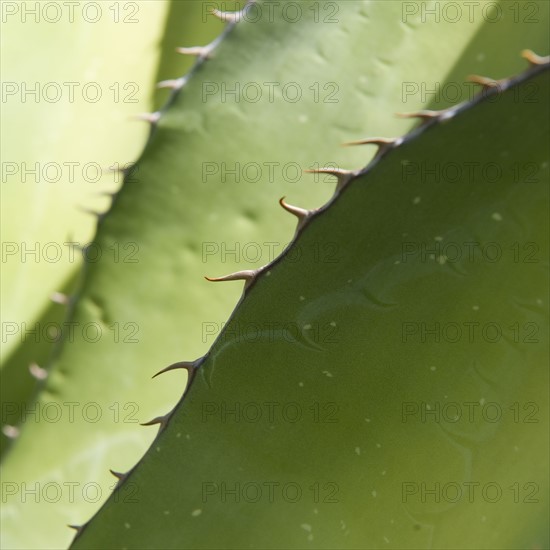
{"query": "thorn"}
(202, 52)
(120, 477)
(381, 142)
(247, 276)
(300, 213)
(189, 366)
(161, 420)
(38, 372)
(384, 144)
(485, 82)
(535, 59)
(229, 16)
(152, 118)
(10, 431)
(424, 115)
(59, 298)
(343, 176)
(173, 84)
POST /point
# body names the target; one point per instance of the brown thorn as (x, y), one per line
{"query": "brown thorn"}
(339, 173)
(535, 59)
(343, 176)
(486, 82)
(189, 366)
(202, 52)
(380, 141)
(118, 475)
(424, 115)
(383, 144)
(300, 213)
(247, 275)
(162, 420)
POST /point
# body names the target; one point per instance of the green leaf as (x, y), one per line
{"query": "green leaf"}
(64, 123)
(381, 396)
(175, 218)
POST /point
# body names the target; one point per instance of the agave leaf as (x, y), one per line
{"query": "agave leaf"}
(63, 124)
(171, 215)
(392, 396)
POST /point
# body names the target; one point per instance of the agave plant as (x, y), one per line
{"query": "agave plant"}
(381, 381)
